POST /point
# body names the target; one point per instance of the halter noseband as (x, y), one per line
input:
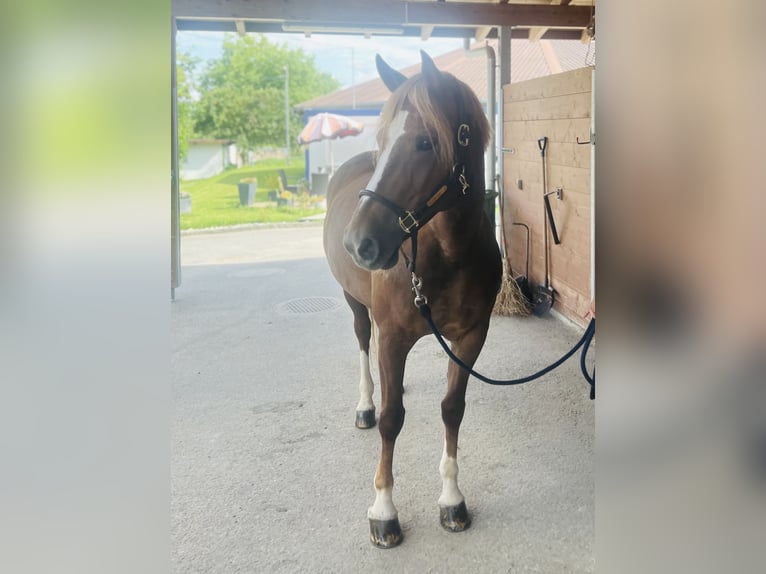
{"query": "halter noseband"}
(411, 220)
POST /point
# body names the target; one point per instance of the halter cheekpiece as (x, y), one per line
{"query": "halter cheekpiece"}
(411, 220)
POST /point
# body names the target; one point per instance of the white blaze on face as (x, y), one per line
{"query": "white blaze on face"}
(366, 386)
(395, 131)
(451, 495)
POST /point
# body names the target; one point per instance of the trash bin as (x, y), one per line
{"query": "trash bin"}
(319, 183)
(185, 202)
(246, 193)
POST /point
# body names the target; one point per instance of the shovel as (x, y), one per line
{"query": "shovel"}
(542, 296)
(523, 280)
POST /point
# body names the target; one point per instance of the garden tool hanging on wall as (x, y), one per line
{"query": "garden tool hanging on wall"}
(542, 296)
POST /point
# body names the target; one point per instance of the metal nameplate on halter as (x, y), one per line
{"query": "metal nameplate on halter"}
(463, 132)
(408, 223)
(436, 196)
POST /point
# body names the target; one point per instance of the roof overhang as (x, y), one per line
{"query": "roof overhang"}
(383, 17)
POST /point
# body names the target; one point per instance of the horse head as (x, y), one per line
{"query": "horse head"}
(432, 135)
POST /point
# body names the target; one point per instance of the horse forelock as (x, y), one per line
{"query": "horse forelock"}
(414, 96)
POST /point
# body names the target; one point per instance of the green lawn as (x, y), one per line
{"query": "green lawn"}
(215, 201)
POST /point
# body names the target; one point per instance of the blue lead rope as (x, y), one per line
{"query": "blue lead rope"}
(584, 342)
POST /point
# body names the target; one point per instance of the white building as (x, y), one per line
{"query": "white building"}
(208, 157)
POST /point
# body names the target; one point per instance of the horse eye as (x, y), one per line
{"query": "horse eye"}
(423, 143)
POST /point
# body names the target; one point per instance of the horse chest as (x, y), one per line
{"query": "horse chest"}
(459, 304)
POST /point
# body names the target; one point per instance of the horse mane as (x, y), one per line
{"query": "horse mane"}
(414, 93)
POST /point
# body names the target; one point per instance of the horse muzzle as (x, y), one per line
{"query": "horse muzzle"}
(371, 252)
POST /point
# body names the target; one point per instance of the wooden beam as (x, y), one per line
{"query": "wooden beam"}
(256, 27)
(384, 12)
(426, 31)
(536, 33)
(482, 33)
(550, 57)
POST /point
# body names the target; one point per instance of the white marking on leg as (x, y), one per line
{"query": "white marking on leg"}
(374, 336)
(384, 508)
(451, 495)
(395, 131)
(366, 386)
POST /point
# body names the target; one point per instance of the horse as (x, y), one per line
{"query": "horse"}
(421, 193)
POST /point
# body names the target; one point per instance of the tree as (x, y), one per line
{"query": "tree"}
(185, 65)
(242, 93)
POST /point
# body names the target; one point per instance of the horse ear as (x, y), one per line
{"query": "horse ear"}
(391, 78)
(428, 68)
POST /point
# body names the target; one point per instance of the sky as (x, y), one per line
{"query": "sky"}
(334, 54)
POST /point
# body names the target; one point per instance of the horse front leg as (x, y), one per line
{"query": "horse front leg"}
(453, 513)
(385, 531)
(365, 409)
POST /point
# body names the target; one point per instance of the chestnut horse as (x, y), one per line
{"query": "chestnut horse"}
(426, 178)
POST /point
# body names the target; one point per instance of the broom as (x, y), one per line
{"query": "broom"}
(510, 300)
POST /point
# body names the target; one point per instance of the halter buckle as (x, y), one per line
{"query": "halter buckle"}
(408, 223)
(463, 183)
(463, 131)
(459, 173)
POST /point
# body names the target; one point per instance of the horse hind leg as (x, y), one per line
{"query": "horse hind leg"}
(365, 409)
(453, 513)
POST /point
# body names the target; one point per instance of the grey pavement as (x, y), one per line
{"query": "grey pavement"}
(269, 473)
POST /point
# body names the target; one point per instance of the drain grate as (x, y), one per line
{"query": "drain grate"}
(309, 305)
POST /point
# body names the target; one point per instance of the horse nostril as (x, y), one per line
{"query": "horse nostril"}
(368, 250)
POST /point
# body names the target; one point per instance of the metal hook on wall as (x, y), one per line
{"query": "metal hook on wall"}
(591, 140)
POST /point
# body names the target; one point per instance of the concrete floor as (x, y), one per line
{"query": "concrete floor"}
(269, 473)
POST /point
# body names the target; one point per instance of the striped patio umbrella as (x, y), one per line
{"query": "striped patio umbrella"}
(326, 126)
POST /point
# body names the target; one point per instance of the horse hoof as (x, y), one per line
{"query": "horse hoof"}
(385, 533)
(454, 518)
(365, 419)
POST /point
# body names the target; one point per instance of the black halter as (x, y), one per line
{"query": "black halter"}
(411, 220)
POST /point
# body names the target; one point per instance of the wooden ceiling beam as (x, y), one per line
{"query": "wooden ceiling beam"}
(385, 12)
(482, 33)
(537, 33)
(438, 32)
